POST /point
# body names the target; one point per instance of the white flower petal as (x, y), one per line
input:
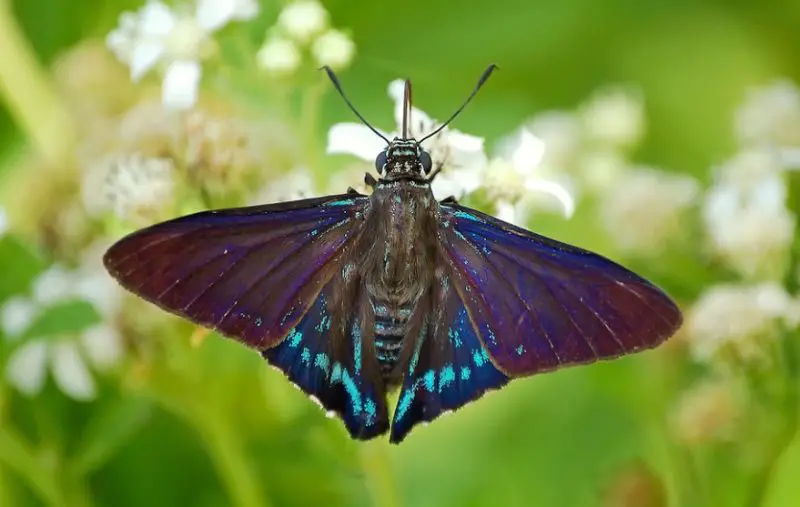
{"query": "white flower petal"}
(528, 153)
(3, 222)
(70, 372)
(279, 55)
(354, 139)
(554, 189)
(27, 367)
(144, 57)
(465, 142)
(212, 15)
(16, 316)
(155, 19)
(54, 285)
(303, 19)
(181, 82)
(103, 346)
(333, 48)
(506, 211)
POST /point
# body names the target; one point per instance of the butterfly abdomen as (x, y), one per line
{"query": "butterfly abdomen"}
(390, 328)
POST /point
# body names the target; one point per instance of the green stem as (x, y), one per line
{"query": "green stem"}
(309, 123)
(377, 470)
(29, 94)
(18, 456)
(223, 446)
(225, 451)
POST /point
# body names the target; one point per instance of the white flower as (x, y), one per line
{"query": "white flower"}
(66, 358)
(279, 55)
(298, 184)
(461, 154)
(602, 170)
(614, 117)
(16, 316)
(746, 217)
(645, 209)
(134, 185)
(514, 185)
(54, 285)
(176, 39)
(333, 48)
(771, 115)
(303, 19)
(92, 283)
(737, 321)
(3, 222)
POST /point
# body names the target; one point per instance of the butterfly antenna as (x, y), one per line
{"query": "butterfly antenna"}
(481, 81)
(406, 108)
(338, 87)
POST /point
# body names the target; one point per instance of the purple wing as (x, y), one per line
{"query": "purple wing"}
(538, 304)
(249, 273)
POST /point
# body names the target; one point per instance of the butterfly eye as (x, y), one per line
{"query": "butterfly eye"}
(380, 161)
(425, 160)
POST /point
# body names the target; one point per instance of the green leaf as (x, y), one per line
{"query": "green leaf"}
(68, 317)
(110, 428)
(20, 267)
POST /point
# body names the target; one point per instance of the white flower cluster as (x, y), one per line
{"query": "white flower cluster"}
(304, 25)
(174, 40)
(510, 178)
(132, 186)
(738, 322)
(745, 211)
(65, 356)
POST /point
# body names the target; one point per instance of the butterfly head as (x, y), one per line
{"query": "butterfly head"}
(402, 159)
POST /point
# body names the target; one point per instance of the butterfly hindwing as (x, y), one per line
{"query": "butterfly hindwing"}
(539, 304)
(449, 365)
(327, 355)
(249, 273)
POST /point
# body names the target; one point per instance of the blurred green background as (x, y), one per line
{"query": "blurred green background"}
(213, 425)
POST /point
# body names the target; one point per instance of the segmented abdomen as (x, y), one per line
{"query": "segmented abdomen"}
(390, 328)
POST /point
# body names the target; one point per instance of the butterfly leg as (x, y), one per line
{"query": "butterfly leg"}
(370, 180)
(436, 170)
(449, 200)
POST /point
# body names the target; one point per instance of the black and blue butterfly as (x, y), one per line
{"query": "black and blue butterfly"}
(352, 295)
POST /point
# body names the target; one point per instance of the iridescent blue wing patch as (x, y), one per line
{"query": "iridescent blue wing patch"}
(539, 304)
(448, 366)
(328, 354)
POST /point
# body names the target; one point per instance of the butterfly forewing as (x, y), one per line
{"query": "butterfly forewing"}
(538, 304)
(250, 273)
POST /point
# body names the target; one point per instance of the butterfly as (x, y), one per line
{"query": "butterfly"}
(354, 295)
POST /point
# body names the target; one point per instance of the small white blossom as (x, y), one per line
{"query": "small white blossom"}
(771, 115)
(92, 283)
(102, 345)
(459, 154)
(602, 170)
(746, 216)
(614, 117)
(70, 371)
(176, 39)
(278, 55)
(303, 19)
(54, 285)
(513, 182)
(333, 48)
(737, 321)
(562, 134)
(16, 315)
(134, 185)
(645, 209)
(297, 184)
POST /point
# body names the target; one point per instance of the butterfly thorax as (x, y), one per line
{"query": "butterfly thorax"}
(400, 266)
(403, 161)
